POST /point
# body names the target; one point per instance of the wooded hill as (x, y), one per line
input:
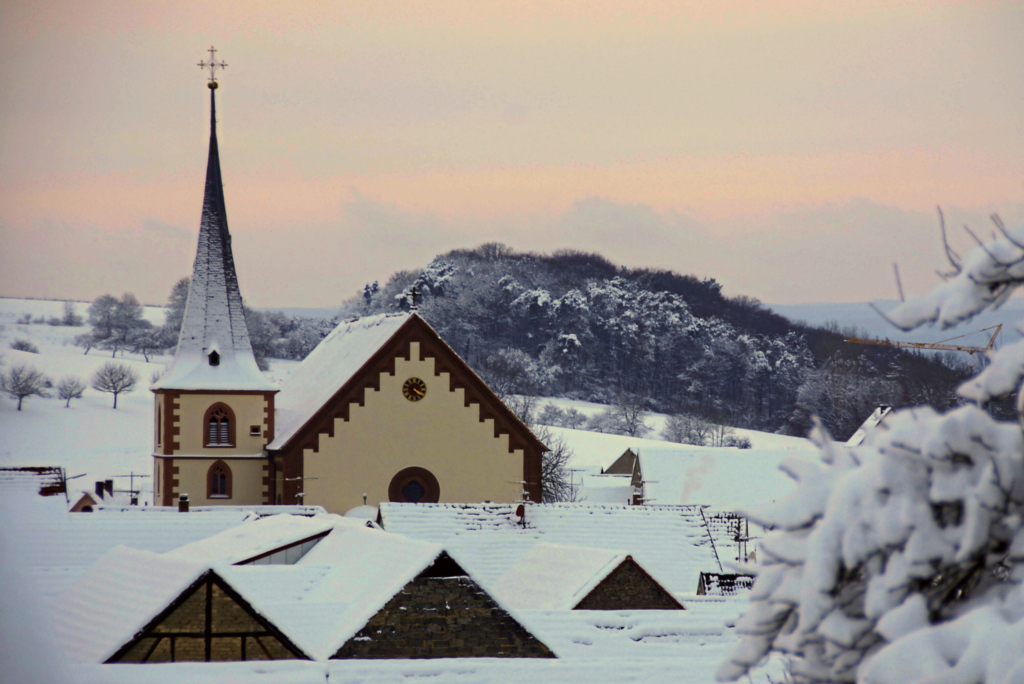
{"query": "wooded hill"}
(574, 324)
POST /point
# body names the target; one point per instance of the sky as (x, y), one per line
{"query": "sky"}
(791, 150)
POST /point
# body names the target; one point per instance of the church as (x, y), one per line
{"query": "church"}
(383, 410)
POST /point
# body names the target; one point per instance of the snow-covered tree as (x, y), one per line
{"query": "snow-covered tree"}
(901, 560)
(70, 387)
(114, 378)
(114, 323)
(22, 381)
(175, 313)
(70, 318)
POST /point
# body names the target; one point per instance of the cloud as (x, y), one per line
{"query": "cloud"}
(828, 252)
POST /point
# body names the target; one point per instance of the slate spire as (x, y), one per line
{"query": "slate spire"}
(214, 351)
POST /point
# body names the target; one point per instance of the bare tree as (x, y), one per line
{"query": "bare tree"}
(23, 381)
(554, 467)
(628, 416)
(114, 378)
(70, 387)
(687, 429)
(574, 419)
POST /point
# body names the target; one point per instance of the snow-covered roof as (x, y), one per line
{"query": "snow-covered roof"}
(328, 368)
(39, 480)
(58, 549)
(360, 569)
(593, 488)
(555, 576)
(701, 634)
(257, 537)
(487, 539)
(727, 584)
(726, 478)
(367, 568)
(214, 320)
(119, 595)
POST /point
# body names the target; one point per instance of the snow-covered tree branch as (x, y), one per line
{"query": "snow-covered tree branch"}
(900, 560)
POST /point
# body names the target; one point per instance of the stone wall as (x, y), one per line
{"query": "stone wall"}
(207, 618)
(628, 587)
(443, 617)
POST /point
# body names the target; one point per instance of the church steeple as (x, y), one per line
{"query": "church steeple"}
(214, 351)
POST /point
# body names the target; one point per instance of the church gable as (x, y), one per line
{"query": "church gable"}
(628, 587)
(209, 621)
(443, 613)
(414, 342)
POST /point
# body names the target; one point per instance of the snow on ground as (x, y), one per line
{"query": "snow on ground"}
(90, 438)
(656, 422)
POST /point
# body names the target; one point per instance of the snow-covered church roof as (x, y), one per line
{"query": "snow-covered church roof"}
(337, 358)
(214, 351)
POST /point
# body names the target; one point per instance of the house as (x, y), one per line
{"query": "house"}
(355, 593)
(103, 494)
(382, 410)
(558, 577)
(140, 607)
(397, 597)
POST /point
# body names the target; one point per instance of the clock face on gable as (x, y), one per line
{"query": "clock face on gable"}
(414, 389)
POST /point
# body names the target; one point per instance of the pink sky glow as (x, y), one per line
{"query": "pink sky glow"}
(791, 150)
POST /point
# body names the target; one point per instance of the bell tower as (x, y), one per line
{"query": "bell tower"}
(214, 407)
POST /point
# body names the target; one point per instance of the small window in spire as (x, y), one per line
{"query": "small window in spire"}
(214, 358)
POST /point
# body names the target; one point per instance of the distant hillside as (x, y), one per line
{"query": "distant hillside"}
(574, 324)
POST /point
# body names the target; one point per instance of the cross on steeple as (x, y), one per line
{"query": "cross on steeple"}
(415, 295)
(213, 65)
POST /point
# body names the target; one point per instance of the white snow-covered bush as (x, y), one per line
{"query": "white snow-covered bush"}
(901, 560)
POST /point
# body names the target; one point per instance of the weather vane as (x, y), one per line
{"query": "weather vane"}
(213, 65)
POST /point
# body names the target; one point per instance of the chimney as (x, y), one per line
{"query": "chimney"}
(109, 486)
(99, 488)
(183, 503)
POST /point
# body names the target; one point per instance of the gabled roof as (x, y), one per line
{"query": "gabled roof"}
(351, 359)
(127, 592)
(556, 577)
(214, 320)
(487, 539)
(366, 568)
(122, 592)
(623, 465)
